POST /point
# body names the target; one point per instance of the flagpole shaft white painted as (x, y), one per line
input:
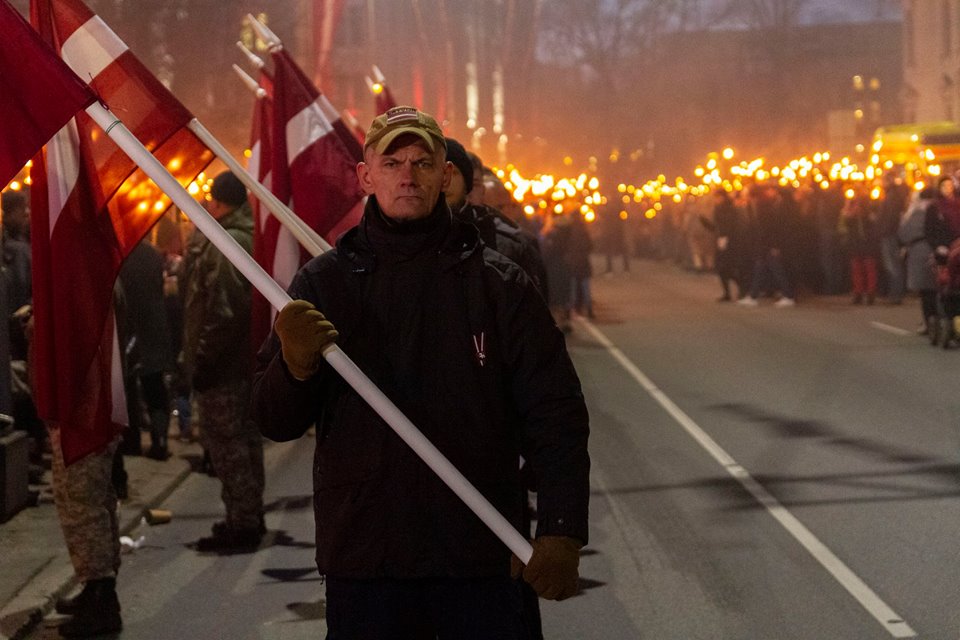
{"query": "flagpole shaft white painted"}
(307, 237)
(277, 297)
(197, 214)
(427, 452)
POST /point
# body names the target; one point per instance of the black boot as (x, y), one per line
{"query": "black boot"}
(159, 426)
(96, 611)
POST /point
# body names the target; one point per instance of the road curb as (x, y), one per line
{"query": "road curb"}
(151, 483)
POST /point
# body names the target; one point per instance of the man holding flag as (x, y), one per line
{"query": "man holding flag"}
(460, 340)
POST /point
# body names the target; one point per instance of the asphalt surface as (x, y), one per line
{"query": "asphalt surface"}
(757, 474)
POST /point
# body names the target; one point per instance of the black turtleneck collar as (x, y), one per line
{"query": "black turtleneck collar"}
(402, 240)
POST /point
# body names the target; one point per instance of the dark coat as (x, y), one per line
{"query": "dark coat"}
(216, 324)
(859, 230)
(146, 315)
(412, 321)
(504, 236)
(579, 248)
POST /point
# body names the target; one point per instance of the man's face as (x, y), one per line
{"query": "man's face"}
(946, 188)
(455, 192)
(407, 180)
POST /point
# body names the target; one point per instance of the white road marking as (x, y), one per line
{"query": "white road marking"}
(891, 329)
(869, 600)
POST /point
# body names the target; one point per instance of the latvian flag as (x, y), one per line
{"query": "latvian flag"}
(315, 155)
(90, 207)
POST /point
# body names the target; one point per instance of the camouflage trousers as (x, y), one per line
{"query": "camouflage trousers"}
(87, 508)
(236, 451)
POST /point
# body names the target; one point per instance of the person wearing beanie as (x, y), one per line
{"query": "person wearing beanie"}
(217, 360)
(460, 340)
(496, 230)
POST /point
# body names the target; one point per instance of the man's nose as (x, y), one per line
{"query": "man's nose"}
(407, 174)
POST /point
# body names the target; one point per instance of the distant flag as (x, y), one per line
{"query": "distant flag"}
(383, 98)
(31, 72)
(90, 208)
(274, 247)
(326, 17)
(314, 153)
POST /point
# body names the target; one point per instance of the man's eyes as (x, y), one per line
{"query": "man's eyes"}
(419, 164)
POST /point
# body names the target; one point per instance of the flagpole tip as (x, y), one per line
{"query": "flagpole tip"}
(264, 33)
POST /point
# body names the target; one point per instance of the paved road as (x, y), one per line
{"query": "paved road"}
(757, 474)
(828, 442)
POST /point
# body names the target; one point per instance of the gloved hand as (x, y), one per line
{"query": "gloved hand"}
(553, 567)
(303, 333)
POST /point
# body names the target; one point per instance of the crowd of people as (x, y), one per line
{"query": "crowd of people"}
(778, 242)
(455, 303)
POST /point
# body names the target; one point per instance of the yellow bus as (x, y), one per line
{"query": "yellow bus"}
(927, 149)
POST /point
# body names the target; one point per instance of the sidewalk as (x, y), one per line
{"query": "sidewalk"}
(35, 568)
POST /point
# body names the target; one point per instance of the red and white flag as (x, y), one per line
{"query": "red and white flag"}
(31, 72)
(314, 154)
(274, 247)
(91, 205)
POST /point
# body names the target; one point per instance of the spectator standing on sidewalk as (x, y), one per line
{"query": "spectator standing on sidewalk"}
(726, 228)
(892, 208)
(770, 238)
(218, 359)
(578, 257)
(918, 237)
(149, 355)
(858, 233)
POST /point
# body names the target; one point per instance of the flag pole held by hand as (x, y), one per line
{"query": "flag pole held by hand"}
(277, 297)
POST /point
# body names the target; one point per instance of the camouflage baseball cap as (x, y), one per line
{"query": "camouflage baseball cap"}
(400, 120)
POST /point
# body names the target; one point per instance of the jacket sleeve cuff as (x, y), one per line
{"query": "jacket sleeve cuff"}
(563, 525)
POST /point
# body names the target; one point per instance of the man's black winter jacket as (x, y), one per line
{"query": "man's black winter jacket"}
(460, 340)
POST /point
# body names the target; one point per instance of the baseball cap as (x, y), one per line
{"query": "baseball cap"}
(400, 120)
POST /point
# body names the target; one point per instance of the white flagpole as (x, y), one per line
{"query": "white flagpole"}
(312, 241)
(251, 84)
(253, 58)
(272, 291)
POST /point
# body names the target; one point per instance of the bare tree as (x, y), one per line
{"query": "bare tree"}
(603, 35)
(763, 14)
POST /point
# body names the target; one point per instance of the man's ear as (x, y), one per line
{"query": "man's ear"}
(363, 174)
(447, 175)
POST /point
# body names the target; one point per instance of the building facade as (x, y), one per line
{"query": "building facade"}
(931, 55)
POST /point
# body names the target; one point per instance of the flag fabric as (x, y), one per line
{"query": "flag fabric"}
(314, 154)
(274, 247)
(91, 205)
(31, 72)
(326, 17)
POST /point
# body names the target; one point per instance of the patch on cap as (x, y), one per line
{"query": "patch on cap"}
(400, 120)
(401, 114)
